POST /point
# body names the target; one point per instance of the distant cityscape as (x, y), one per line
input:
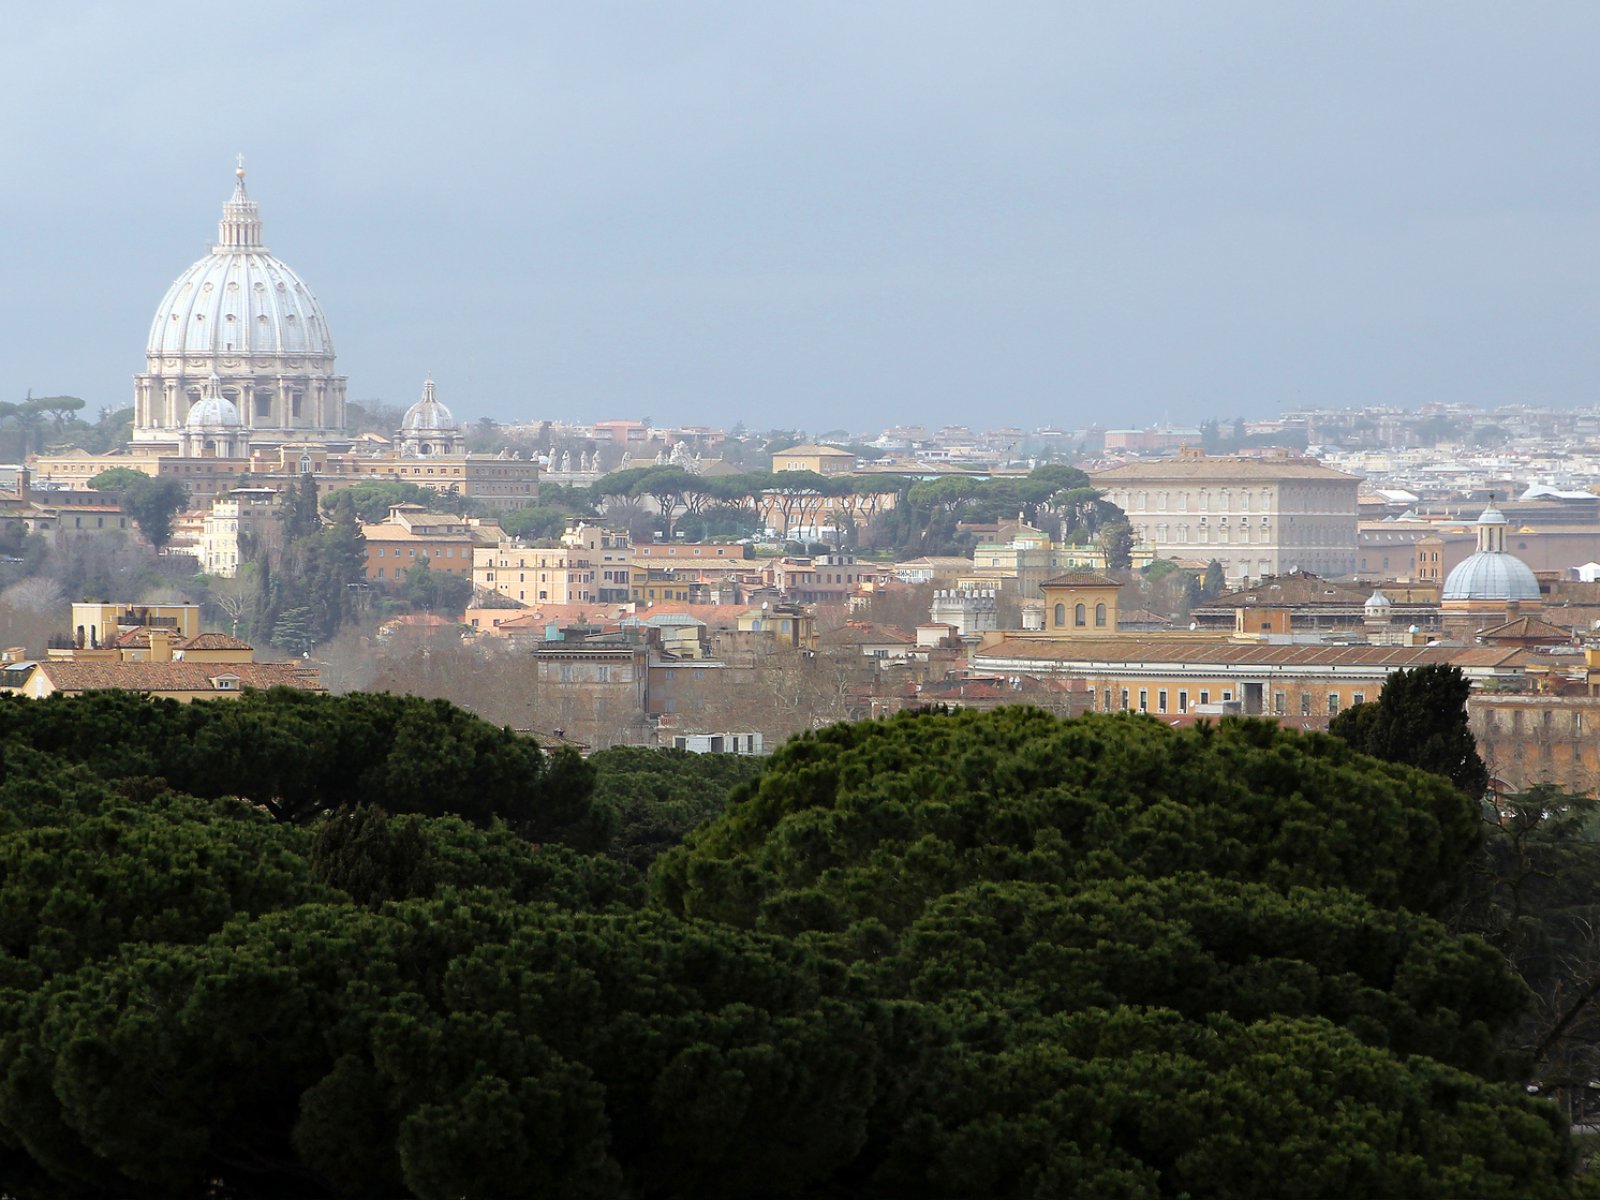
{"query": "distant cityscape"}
(618, 581)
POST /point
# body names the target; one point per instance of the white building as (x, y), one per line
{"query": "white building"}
(1257, 516)
(232, 523)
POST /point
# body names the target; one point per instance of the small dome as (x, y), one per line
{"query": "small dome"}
(1491, 575)
(427, 414)
(1378, 600)
(213, 410)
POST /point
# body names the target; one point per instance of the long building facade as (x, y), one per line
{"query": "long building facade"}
(1256, 516)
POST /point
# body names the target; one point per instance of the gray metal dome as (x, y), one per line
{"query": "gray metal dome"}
(1491, 575)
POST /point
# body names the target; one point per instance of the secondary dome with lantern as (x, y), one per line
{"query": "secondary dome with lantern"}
(244, 316)
(429, 428)
(214, 411)
(428, 413)
(213, 428)
(1493, 573)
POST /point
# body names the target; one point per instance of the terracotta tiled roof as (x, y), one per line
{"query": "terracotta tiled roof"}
(1263, 470)
(162, 677)
(542, 613)
(811, 449)
(1528, 629)
(716, 616)
(1290, 590)
(418, 621)
(215, 641)
(1141, 616)
(1191, 651)
(1082, 579)
(858, 633)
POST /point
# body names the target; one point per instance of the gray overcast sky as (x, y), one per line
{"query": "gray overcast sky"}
(829, 214)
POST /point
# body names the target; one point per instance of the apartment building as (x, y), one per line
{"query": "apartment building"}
(410, 536)
(591, 564)
(245, 519)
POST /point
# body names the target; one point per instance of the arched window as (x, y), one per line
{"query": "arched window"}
(1100, 616)
(1061, 615)
(1079, 615)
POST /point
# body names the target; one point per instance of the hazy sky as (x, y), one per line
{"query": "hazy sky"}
(829, 214)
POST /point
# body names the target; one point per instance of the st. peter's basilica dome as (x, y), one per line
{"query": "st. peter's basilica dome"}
(244, 316)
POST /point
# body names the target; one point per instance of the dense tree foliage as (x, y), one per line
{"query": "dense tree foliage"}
(1419, 719)
(312, 588)
(373, 498)
(1533, 886)
(151, 501)
(1141, 935)
(301, 754)
(657, 796)
(314, 946)
(40, 423)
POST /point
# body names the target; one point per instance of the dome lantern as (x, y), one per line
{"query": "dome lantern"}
(240, 227)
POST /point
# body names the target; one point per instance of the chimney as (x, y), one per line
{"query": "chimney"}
(160, 645)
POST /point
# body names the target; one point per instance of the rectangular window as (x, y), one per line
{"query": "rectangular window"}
(1161, 700)
(1108, 700)
(1144, 700)
(1333, 703)
(1227, 696)
(1124, 699)
(1359, 698)
(1278, 703)
(1183, 701)
(1205, 697)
